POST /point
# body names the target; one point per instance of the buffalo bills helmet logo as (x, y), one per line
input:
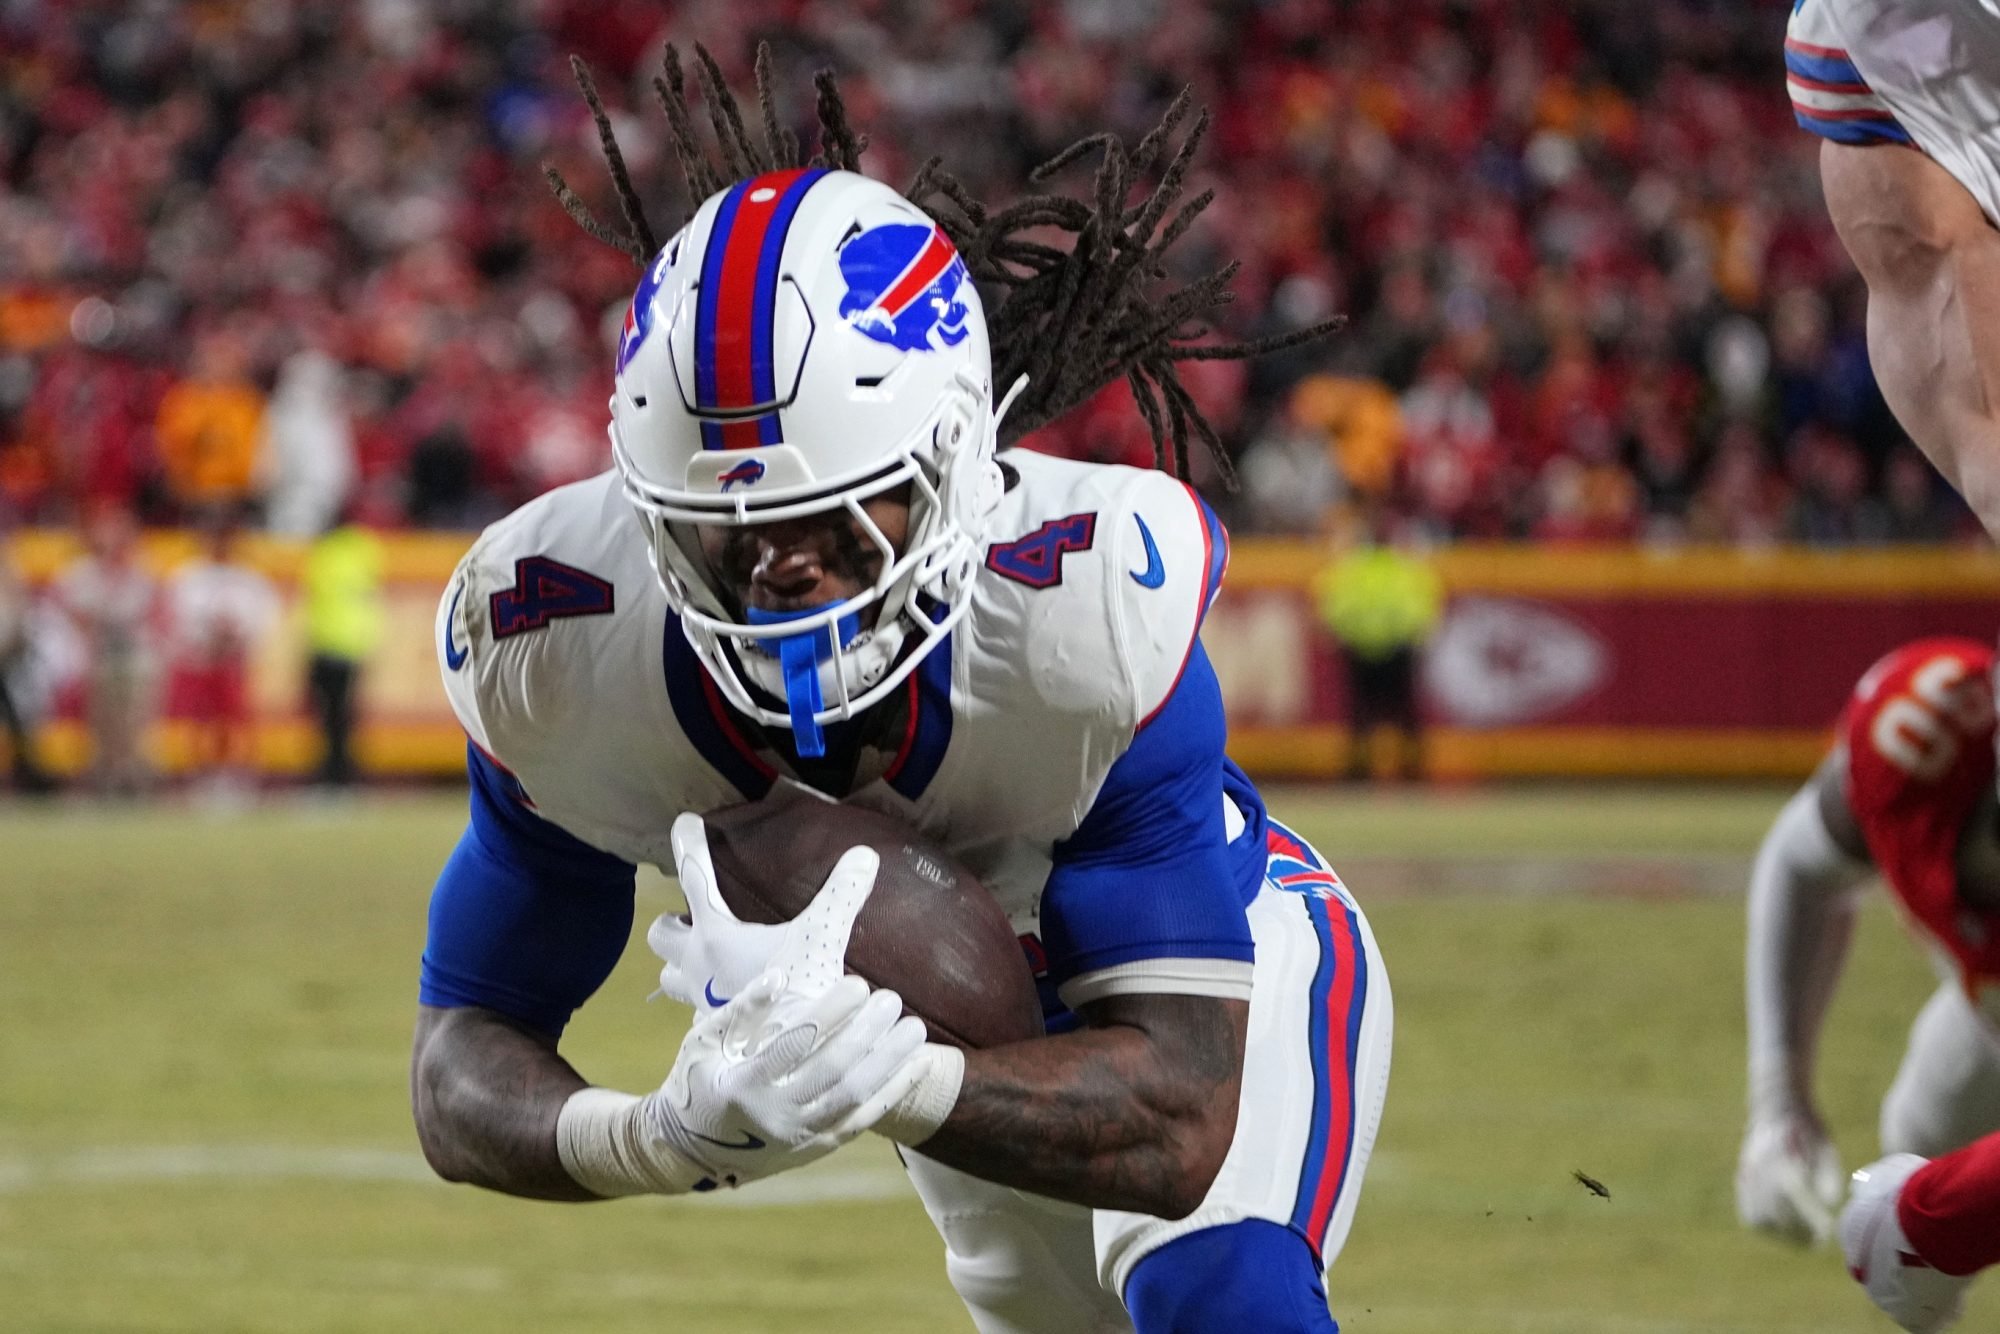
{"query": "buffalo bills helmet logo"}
(903, 287)
(747, 472)
(639, 315)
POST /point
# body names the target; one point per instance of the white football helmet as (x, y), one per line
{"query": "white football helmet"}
(808, 340)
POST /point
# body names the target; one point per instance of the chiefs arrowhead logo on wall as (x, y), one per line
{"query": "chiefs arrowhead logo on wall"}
(1501, 662)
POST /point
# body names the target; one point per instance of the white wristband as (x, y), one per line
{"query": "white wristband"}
(918, 1113)
(606, 1147)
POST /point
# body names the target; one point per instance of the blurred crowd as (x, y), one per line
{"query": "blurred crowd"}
(296, 258)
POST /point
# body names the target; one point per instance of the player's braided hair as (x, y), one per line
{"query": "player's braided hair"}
(1071, 320)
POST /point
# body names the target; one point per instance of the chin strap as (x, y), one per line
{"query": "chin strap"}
(800, 656)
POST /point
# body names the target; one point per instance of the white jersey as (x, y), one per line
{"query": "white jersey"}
(1918, 72)
(1066, 744)
(567, 669)
(113, 605)
(219, 609)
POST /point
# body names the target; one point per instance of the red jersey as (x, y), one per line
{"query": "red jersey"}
(1919, 733)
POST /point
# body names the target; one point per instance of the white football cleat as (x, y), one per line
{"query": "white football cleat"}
(1908, 1290)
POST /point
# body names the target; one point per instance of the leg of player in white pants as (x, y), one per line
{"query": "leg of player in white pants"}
(1021, 1263)
(1947, 1092)
(1315, 1075)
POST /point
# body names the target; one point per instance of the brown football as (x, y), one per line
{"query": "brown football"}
(930, 930)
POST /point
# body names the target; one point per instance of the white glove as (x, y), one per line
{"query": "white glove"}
(712, 957)
(1788, 1178)
(778, 1078)
(801, 1061)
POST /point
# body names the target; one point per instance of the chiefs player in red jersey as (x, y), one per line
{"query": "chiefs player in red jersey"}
(1907, 792)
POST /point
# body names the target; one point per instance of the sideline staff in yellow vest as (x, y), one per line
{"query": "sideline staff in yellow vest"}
(342, 583)
(1381, 600)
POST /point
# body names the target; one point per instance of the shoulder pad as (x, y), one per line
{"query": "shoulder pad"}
(557, 562)
(1170, 553)
(1098, 566)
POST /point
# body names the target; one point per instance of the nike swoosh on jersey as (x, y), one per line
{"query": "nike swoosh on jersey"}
(749, 1141)
(454, 656)
(708, 994)
(1155, 573)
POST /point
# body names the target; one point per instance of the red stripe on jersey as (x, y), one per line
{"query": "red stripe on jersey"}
(1807, 48)
(1200, 606)
(1821, 86)
(1858, 113)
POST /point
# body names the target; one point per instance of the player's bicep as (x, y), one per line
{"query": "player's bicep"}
(526, 920)
(1148, 895)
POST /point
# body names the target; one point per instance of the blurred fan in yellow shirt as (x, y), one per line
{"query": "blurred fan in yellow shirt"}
(1381, 599)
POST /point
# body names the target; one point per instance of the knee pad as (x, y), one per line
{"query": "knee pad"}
(1242, 1276)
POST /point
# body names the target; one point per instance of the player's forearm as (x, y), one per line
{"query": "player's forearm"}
(1135, 1113)
(1801, 919)
(486, 1096)
(1790, 988)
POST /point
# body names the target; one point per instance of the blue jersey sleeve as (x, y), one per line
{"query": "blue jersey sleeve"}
(526, 918)
(1150, 882)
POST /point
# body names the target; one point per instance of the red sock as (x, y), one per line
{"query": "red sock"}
(1950, 1209)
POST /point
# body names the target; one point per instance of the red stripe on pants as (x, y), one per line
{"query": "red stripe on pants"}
(1339, 1071)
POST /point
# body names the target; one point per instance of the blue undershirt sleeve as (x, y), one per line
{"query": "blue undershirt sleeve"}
(1150, 873)
(526, 919)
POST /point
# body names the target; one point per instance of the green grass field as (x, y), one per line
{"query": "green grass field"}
(203, 1120)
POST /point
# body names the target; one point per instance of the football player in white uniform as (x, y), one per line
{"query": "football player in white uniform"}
(1906, 94)
(811, 565)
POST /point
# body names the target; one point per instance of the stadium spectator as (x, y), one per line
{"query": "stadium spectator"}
(1381, 599)
(23, 765)
(1290, 481)
(209, 427)
(1538, 235)
(114, 603)
(1915, 507)
(308, 448)
(342, 588)
(219, 610)
(1360, 423)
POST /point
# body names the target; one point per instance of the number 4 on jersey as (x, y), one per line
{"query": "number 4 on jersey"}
(1036, 560)
(545, 590)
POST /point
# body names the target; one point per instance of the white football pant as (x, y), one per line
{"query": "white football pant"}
(1947, 1092)
(1315, 1074)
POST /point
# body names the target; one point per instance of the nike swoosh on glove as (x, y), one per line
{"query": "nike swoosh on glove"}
(711, 956)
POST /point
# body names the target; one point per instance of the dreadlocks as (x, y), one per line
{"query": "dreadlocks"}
(1072, 320)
